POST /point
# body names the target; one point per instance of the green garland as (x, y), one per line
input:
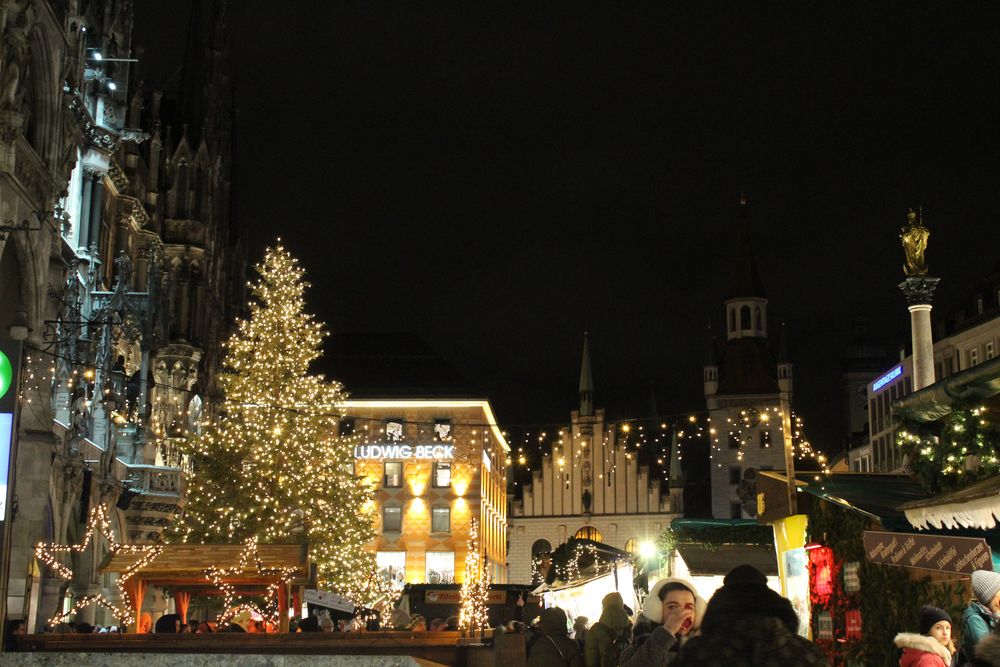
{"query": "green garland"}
(956, 450)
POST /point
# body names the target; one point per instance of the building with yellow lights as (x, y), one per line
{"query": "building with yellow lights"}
(433, 450)
(590, 487)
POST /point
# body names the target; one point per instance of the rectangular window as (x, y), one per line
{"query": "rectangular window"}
(393, 430)
(392, 519)
(442, 430)
(391, 567)
(735, 474)
(973, 356)
(735, 511)
(765, 438)
(990, 350)
(440, 519)
(441, 475)
(979, 305)
(440, 567)
(734, 441)
(393, 475)
(347, 426)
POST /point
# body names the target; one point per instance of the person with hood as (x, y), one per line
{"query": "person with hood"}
(606, 639)
(747, 624)
(933, 646)
(980, 618)
(671, 612)
(554, 648)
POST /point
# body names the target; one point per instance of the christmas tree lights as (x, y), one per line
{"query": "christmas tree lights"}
(476, 587)
(270, 466)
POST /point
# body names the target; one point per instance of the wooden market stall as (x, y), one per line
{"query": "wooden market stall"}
(236, 569)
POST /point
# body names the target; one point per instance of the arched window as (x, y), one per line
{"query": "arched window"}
(756, 320)
(589, 533)
(631, 545)
(744, 318)
(540, 547)
(732, 319)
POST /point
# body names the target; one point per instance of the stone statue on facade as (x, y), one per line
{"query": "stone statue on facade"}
(16, 52)
(914, 238)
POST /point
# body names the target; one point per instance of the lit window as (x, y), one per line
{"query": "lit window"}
(393, 474)
(441, 477)
(632, 546)
(440, 519)
(394, 429)
(442, 430)
(440, 567)
(589, 533)
(392, 519)
(391, 566)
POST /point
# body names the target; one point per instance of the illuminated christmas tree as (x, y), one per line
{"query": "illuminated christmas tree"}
(270, 466)
(476, 587)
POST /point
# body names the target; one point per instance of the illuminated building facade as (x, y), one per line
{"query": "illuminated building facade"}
(590, 487)
(437, 462)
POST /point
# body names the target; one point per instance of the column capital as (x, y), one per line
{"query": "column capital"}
(919, 290)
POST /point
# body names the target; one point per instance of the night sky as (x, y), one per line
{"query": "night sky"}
(500, 179)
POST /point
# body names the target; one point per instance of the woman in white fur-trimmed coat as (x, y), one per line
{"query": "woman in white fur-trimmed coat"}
(932, 648)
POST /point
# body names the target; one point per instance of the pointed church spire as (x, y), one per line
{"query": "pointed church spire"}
(676, 474)
(712, 358)
(586, 381)
(745, 278)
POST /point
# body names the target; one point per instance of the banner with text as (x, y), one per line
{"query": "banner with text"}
(960, 555)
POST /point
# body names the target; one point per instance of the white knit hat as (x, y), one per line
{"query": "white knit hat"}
(652, 608)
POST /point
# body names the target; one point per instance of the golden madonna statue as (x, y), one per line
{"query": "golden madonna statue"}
(914, 238)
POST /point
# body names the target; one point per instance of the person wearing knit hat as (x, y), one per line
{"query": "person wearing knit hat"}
(747, 624)
(672, 611)
(606, 639)
(933, 646)
(980, 618)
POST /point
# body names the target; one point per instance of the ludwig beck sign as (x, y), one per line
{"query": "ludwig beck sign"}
(960, 555)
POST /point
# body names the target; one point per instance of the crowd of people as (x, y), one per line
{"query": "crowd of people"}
(745, 623)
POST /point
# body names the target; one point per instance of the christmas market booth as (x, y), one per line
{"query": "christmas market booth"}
(703, 551)
(275, 573)
(859, 541)
(580, 572)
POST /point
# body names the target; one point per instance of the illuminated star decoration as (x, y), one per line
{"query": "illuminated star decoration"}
(249, 560)
(98, 522)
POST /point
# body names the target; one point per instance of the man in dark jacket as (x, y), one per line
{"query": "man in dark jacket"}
(747, 624)
(554, 648)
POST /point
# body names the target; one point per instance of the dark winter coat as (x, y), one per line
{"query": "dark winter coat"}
(987, 652)
(554, 648)
(602, 635)
(652, 646)
(977, 623)
(922, 651)
(749, 625)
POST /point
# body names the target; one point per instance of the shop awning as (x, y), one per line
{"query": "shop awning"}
(980, 382)
(974, 506)
(719, 559)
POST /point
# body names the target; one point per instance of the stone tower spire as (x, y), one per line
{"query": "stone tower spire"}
(676, 480)
(586, 381)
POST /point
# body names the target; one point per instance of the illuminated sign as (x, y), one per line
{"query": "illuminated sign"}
(404, 451)
(887, 378)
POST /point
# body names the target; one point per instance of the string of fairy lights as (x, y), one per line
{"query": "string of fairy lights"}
(475, 587)
(249, 563)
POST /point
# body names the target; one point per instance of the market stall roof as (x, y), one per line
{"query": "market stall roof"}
(974, 506)
(719, 559)
(980, 382)
(877, 496)
(184, 565)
